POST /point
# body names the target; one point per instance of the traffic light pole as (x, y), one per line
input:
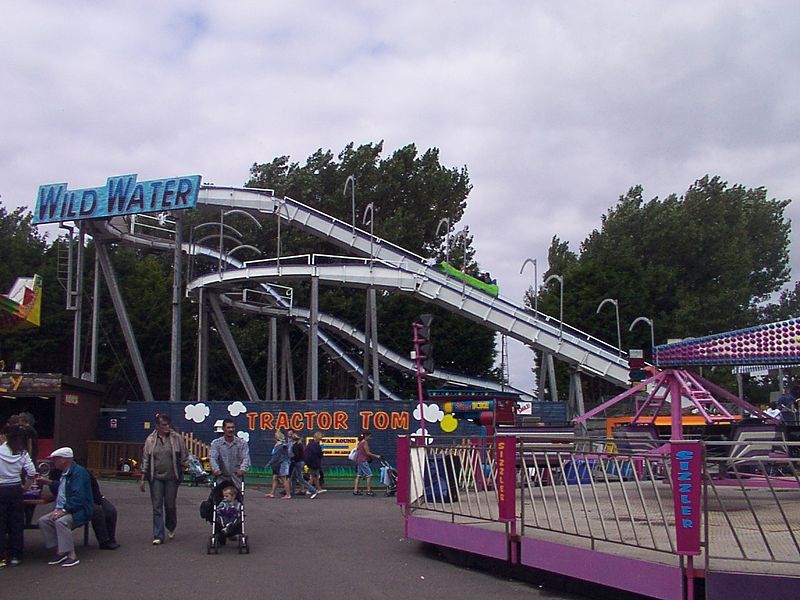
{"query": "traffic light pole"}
(418, 362)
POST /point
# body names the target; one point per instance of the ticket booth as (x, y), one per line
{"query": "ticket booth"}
(65, 409)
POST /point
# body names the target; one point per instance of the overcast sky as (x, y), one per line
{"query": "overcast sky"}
(555, 108)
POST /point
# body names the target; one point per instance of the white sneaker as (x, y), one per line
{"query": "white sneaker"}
(157, 542)
(171, 534)
(314, 495)
(321, 491)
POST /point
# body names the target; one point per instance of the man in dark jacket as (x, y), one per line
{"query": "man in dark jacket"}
(104, 518)
(74, 507)
(313, 458)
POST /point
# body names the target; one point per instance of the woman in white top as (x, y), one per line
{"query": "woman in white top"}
(14, 461)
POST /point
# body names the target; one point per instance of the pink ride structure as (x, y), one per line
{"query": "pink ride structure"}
(673, 518)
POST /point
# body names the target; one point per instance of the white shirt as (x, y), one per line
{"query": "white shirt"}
(13, 465)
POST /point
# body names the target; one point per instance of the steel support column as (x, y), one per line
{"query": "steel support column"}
(95, 319)
(202, 347)
(78, 316)
(373, 329)
(233, 350)
(271, 393)
(313, 343)
(124, 322)
(177, 281)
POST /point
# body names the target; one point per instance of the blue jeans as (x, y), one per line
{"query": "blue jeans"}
(164, 495)
(297, 476)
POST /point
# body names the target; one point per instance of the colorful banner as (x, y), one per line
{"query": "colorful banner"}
(507, 477)
(687, 481)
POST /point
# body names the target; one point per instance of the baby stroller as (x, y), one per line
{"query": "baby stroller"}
(389, 478)
(197, 474)
(219, 534)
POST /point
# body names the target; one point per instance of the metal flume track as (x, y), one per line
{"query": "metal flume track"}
(538, 331)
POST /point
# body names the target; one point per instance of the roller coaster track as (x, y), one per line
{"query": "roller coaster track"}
(541, 332)
(117, 230)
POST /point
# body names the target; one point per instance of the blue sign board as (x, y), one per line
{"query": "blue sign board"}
(122, 195)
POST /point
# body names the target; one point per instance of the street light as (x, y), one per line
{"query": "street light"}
(369, 210)
(445, 221)
(616, 310)
(352, 181)
(652, 334)
(560, 280)
(281, 204)
(535, 285)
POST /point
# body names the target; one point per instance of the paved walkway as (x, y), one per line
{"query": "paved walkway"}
(335, 546)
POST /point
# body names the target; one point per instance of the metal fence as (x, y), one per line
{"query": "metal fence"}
(750, 503)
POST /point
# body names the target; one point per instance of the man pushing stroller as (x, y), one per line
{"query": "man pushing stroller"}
(230, 459)
(230, 455)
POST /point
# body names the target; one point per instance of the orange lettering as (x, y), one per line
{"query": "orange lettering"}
(282, 422)
(365, 415)
(310, 419)
(266, 421)
(251, 420)
(380, 420)
(340, 419)
(297, 421)
(324, 420)
(399, 420)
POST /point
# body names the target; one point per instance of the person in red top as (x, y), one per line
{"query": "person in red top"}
(363, 457)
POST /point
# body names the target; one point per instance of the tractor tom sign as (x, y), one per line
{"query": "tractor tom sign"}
(122, 195)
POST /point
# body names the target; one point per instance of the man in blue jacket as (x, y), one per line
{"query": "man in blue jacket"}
(74, 507)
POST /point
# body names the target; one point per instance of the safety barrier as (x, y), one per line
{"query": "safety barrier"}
(683, 511)
(107, 458)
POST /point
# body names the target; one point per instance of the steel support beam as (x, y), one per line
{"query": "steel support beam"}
(177, 285)
(202, 347)
(124, 322)
(233, 350)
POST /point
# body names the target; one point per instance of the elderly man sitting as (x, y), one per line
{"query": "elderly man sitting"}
(74, 507)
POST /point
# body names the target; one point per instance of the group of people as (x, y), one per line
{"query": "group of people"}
(288, 462)
(79, 501)
(74, 490)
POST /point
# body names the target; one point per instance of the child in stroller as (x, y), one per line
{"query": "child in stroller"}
(224, 509)
(229, 513)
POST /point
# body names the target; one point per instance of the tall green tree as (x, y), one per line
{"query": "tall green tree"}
(411, 194)
(697, 264)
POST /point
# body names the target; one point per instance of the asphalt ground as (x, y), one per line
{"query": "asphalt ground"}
(335, 546)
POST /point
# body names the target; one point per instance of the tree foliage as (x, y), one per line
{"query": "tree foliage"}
(697, 264)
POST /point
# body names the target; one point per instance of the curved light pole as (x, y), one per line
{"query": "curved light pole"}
(370, 210)
(535, 284)
(616, 310)
(560, 280)
(281, 204)
(352, 181)
(652, 334)
(445, 221)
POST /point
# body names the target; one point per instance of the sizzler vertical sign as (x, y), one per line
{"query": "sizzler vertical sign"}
(687, 479)
(122, 195)
(506, 477)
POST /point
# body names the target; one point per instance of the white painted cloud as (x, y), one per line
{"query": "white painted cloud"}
(556, 109)
(245, 435)
(236, 408)
(196, 412)
(418, 434)
(432, 412)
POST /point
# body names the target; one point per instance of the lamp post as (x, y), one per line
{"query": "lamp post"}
(616, 310)
(370, 210)
(652, 334)
(281, 204)
(535, 285)
(560, 280)
(352, 181)
(445, 221)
